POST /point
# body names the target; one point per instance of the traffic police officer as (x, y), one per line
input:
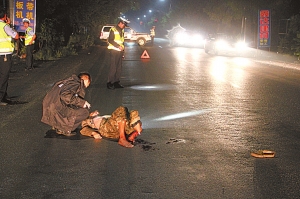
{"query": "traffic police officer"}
(152, 34)
(29, 43)
(6, 50)
(116, 48)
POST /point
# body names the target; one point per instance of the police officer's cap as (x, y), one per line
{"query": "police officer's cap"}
(124, 21)
(26, 20)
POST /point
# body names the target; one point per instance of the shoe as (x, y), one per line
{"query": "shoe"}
(60, 132)
(3, 103)
(118, 85)
(7, 101)
(69, 133)
(26, 69)
(7, 98)
(110, 85)
(263, 154)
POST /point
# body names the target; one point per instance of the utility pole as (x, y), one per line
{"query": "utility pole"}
(245, 29)
(11, 10)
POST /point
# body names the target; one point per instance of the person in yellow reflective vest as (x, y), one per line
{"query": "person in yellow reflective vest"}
(116, 50)
(29, 43)
(152, 34)
(6, 49)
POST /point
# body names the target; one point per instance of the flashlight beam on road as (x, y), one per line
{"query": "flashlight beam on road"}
(183, 115)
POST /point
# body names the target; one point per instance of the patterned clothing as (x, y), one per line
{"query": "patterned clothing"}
(109, 127)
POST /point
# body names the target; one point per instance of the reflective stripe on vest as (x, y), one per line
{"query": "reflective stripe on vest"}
(6, 46)
(152, 32)
(28, 38)
(118, 39)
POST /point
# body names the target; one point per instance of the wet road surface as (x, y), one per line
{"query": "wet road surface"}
(202, 116)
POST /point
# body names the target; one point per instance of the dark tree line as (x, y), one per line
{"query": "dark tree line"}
(74, 23)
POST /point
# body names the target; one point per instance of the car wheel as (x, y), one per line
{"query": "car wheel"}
(141, 41)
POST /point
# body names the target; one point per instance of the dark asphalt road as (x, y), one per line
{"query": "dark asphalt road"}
(202, 116)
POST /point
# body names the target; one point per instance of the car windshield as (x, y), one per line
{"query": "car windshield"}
(129, 30)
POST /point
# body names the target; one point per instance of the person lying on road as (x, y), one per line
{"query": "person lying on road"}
(122, 125)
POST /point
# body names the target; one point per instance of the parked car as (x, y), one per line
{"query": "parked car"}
(222, 43)
(130, 35)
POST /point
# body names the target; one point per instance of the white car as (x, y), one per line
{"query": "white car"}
(129, 35)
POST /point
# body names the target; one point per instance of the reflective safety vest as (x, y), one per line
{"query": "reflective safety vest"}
(28, 38)
(6, 44)
(119, 39)
(152, 32)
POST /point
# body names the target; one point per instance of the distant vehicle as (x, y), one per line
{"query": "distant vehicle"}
(130, 35)
(179, 36)
(222, 43)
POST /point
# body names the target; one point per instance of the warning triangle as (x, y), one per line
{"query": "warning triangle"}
(145, 55)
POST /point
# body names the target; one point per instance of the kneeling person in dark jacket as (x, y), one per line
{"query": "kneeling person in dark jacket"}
(64, 106)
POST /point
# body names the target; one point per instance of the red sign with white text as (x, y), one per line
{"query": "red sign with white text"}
(264, 28)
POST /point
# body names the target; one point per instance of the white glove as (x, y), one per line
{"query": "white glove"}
(87, 105)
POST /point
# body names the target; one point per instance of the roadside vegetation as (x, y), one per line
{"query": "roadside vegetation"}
(290, 43)
(63, 28)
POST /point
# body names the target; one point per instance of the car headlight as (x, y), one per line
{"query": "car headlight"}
(221, 44)
(181, 38)
(197, 39)
(241, 45)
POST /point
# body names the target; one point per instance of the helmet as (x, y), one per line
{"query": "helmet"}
(124, 21)
(26, 20)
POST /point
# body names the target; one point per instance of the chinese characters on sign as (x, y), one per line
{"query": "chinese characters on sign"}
(24, 9)
(264, 28)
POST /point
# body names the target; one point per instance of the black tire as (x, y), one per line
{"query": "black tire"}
(141, 41)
